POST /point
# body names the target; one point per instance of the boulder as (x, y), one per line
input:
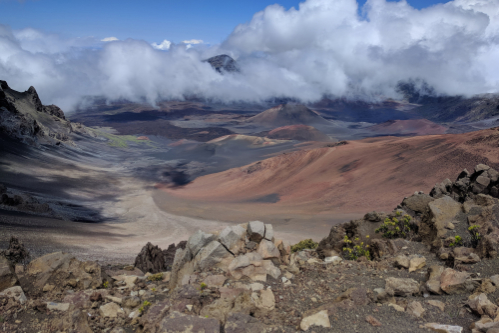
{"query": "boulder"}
(215, 281)
(150, 259)
(416, 263)
(256, 231)
(265, 301)
(61, 270)
(481, 305)
(16, 293)
(232, 238)
(433, 279)
(180, 323)
(401, 287)
(320, 318)
(198, 240)
(8, 276)
(442, 211)
(418, 203)
(402, 261)
(269, 232)
(210, 255)
(268, 250)
(454, 282)
(110, 310)
(153, 316)
(415, 308)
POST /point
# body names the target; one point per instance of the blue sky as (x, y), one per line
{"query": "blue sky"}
(153, 21)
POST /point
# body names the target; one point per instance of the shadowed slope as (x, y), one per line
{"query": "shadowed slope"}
(298, 132)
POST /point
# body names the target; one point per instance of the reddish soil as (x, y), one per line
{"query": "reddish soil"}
(409, 127)
(370, 174)
(298, 132)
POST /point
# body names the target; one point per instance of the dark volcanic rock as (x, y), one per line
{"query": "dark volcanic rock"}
(17, 252)
(150, 259)
(54, 110)
(484, 180)
(223, 63)
(154, 260)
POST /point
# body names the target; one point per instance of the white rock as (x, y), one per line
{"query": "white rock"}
(321, 318)
(16, 293)
(189, 307)
(271, 269)
(333, 260)
(57, 306)
(444, 328)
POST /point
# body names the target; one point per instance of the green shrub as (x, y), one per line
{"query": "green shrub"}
(144, 306)
(203, 286)
(155, 277)
(304, 244)
(458, 241)
(355, 249)
(105, 285)
(393, 228)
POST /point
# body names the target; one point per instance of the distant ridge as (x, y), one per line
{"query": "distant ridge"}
(298, 132)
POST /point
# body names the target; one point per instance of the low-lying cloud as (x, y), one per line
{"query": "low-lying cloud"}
(321, 48)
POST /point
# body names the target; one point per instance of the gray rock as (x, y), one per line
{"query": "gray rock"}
(454, 282)
(8, 276)
(401, 287)
(256, 231)
(269, 232)
(232, 238)
(180, 323)
(402, 261)
(58, 306)
(268, 250)
(110, 310)
(130, 302)
(444, 328)
(198, 240)
(211, 255)
(243, 323)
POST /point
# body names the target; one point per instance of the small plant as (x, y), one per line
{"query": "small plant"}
(144, 306)
(105, 285)
(155, 277)
(355, 249)
(153, 289)
(203, 286)
(304, 244)
(475, 235)
(458, 241)
(393, 228)
(398, 213)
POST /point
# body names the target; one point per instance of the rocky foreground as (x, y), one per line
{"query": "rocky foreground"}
(430, 265)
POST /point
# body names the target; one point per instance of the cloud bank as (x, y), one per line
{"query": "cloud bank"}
(321, 48)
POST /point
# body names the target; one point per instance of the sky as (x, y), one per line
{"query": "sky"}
(151, 20)
(154, 50)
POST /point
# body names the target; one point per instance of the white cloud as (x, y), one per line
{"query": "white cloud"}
(322, 47)
(109, 39)
(164, 45)
(193, 41)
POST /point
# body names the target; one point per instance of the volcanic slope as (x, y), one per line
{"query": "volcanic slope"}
(408, 127)
(288, 114)
(298, 132)
(352, 178)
